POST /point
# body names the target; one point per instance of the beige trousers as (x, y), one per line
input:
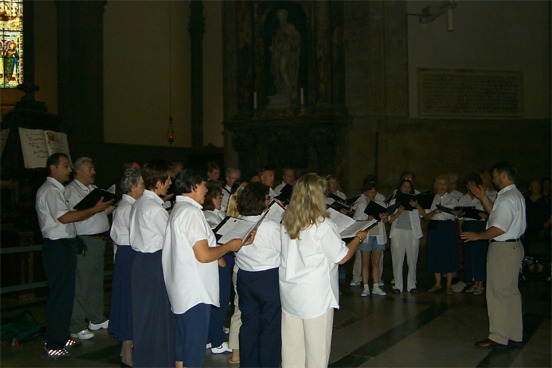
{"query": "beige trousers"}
(503, 296)
(235, 321)
(306, 343)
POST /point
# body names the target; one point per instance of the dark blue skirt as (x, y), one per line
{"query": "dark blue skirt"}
(120, 316)
(442, 247)
(475, 253)
(153, 323)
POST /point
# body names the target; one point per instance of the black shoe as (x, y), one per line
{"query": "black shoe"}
(414, 291)
(396, 291)
(515, 344)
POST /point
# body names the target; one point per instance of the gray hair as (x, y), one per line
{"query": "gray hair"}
(131, 178)
(231, 170)
(81, 161)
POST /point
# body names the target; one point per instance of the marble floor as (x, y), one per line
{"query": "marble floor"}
(397, 330)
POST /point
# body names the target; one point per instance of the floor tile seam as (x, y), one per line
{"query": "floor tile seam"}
(512, 355)
(412, 325)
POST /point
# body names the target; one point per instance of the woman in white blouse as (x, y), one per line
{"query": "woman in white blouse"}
(257, 282)
(190, 269)
(309, 290)
(405, 235)
(443, 255)
(120, 317)
(374, 245)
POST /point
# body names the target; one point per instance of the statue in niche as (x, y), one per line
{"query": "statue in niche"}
(284, 50)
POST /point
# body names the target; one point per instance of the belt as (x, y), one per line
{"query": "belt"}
(102, 236)
(505, 241)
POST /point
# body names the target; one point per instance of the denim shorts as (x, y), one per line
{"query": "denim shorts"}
(371, 243)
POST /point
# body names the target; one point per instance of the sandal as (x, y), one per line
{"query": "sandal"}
(434, 289)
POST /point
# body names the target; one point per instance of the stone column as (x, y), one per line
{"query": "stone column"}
(80, 69)
(197, 29)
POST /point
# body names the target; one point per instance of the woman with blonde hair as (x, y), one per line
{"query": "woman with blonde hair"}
(309, 290)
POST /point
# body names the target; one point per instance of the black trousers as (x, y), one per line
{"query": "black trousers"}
(60, 262)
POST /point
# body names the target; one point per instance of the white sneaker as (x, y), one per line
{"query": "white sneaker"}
(471, 289)
(377, 291)
(381, 283)
(459, 287)
(365, 292)
(223, 348)
(354, 283)
(99, 326)
(83, 335)
(208, 346)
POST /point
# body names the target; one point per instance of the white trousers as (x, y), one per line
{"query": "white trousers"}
(404, 243)
(306, 343)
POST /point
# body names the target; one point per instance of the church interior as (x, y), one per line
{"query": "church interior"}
(344, 88)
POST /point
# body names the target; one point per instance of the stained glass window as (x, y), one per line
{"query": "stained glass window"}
(11, 43)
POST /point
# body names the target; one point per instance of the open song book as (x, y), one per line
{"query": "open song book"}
(348, 227)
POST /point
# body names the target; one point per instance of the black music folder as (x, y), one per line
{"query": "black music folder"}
(373, 209)
(93, 197)
(424, 199)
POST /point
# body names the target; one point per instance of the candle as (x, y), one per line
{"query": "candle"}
(254, 100)
(302, 97)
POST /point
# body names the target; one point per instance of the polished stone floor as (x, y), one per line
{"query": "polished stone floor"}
(397, 330)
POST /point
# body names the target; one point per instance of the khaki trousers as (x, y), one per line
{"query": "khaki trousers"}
(235, 321)
(503, 296)
(306, 343)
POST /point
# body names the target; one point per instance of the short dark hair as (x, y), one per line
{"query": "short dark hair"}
(53, 159)
(265, 168)
(369, 186)
(154, 171)
(473, 178)
(212, 192)
(251, 201)
(405, 181)
(212, 165)
(186, 181)
(505, 167)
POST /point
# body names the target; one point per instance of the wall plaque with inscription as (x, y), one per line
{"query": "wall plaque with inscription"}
(450, 93)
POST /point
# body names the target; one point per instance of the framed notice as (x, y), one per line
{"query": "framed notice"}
(458, 93)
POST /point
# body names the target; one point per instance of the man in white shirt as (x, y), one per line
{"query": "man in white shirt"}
(267, 178)
(288, 177)
(56, 222)
(89, 290)
(505, 226)
(232, 176)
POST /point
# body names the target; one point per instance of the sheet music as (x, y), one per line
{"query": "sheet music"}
(38, 144)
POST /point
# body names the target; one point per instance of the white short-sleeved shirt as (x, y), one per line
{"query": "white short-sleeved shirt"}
(120, 233)
(468, 201)
(445, 200)
(188, 281)
(309, 284)
(264, 252)
(361, 204)
(415, 222)
(148, 222)
(214, 217)
(75, 191)
(226, 193)
(50, 206)
(508, 213)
